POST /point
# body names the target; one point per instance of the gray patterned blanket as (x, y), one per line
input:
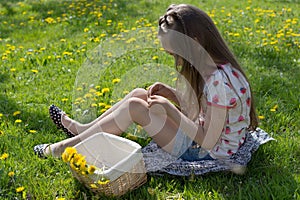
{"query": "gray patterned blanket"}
(158, 161)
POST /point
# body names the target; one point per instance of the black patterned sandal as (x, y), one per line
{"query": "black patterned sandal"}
(56, 115)
(39, 150)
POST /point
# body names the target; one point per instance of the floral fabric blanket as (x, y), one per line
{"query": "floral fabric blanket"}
(158, 161)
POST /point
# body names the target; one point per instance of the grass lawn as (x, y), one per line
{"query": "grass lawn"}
(43, 51)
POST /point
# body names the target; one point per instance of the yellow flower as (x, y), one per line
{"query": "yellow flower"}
(49, 20)
(103, 181)
(60, 198)
(93, 186)
(68, 154)
(116, 80)
(34, 71)
(20, 189)
(107, 106)
(91, 169)
(18, 121)
(125, 92)
(105, 90)
(1, 115)
(154, 57)
(32, 131)
(102, 104)
(11, 174)
(64, 99)
(16, 113)
(86, 30)
(4, 156)
(13, 69)
(22, 59)
(93, 105)
(261, 117)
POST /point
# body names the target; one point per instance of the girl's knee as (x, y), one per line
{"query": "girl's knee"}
(139, 93)
(138, 108)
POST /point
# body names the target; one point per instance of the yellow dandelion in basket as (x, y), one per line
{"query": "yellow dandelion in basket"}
(93, 186)
(103, 181)
(82, 164)
(68, 154)
(20, 189)
(91, 169)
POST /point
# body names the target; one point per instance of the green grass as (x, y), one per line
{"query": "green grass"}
(45, 43)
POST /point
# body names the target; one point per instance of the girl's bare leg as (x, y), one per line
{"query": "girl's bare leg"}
(77, 128)
(132, 110)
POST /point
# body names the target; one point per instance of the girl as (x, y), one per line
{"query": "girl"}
(207, 119)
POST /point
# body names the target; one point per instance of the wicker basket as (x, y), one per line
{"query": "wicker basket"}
(120, 160)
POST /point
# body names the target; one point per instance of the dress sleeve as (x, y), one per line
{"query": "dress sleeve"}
(219, 91)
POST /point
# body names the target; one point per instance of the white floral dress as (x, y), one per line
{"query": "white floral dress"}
(228, 88)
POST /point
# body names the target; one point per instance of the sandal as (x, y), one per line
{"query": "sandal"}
(39, 150)
(56, 115)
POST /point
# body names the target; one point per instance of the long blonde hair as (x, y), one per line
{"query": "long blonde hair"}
(196, 24)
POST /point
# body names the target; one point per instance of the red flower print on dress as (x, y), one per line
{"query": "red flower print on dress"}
(215, 99)
(229, 152)
(232, 101)
(248, 101)
(228, 130)
(217, 149)
(243, 90)
(226, 141)
(215, 83)
(234, 73)
(241, 118)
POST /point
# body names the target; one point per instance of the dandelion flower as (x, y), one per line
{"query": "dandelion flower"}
(32, 131)
(105, 90)
(18, 121)
(35, 71)
(64, 99)
(4, 156)
(93, 186)
(91, 169)
(16, 113)
(103, 181)
(68, 154)
(20, 189)
(11, 174)
(116, 80)
(261, 117)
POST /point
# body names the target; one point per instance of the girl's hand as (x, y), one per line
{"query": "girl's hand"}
(159, 105)
(156, 89)
(156, 99)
